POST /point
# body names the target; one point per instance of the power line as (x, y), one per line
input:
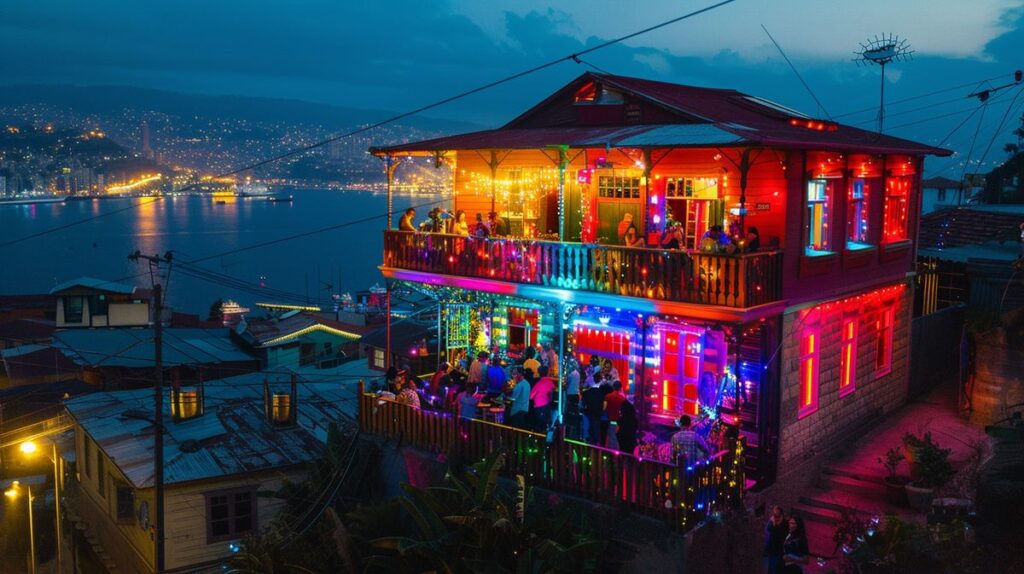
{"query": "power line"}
(920, 96)
(797, 73)
(574, 57)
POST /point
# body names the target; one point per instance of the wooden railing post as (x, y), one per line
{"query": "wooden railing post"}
(360, 398)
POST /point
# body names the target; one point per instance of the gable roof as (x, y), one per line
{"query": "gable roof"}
(93, 283)
(276, 331)
(973, 225)
(232, 436)
(940, 183)
(133, 348)
(703, 117)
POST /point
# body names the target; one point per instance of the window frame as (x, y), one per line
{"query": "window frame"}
(379, 358)
(861, 206)
(124, 514)
(824, 230)
(885, 327)
(87, 455)
(810, 369)
(848, 357)
(889, 194)
(233, 533)
(101, 474)
(96, 303)
(81, 308)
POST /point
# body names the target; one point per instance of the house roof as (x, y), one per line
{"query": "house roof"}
(232, 436)
(276, 331)
(133, 348)
(26, 329)
(30, 361)
(971, 225)
(702, 117)
(404, 334)
(96, 284)
(940, 183)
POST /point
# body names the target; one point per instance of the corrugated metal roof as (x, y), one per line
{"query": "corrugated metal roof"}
(93, 283)
(680, 135)
(133, 348)
(232, 436)
(751, 120)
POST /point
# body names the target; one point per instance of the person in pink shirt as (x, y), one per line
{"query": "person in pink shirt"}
(541, 394)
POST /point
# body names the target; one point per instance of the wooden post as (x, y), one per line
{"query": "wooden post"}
(563, 163)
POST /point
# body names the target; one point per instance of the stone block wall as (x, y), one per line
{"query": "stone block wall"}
(805, 442)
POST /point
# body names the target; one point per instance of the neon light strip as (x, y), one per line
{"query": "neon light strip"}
(288, 307)
(310, 329)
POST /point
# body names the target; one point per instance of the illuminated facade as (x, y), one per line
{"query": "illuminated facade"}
(608, 190)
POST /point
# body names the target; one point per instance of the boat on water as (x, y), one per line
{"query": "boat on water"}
(31, 200)
(280, 198)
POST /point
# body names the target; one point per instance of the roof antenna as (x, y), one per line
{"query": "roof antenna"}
(821, 108)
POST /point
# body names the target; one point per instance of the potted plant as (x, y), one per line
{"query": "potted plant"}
(894, 484)
(930, 469)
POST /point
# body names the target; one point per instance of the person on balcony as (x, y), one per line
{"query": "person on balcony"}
(407, 394)
(593, 410)
(497, 224)
(530, 363)
(628, 233)
(627, 427)
(715, 240)
(496, 378)
(549, 358)
(752, 242)
(519, 413)
(460, 226)
(686, 442)
(672, 237)
(480, 228)
(541, 395)
(406, 223)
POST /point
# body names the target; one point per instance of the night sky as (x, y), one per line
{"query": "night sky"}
(402, 54)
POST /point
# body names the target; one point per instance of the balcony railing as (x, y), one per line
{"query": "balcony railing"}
(682, 495)
(743, 280)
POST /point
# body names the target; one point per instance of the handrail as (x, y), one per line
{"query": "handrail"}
(680, 493)
(732, 280)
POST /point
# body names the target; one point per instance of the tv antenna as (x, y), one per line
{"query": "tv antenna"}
(881, 51)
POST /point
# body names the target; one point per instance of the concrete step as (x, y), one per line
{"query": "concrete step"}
(855, 473)
(867, 488)
(815, 513)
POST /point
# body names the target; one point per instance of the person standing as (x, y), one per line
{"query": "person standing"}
(496, 378)
(551, 360)
(593, 408)
(531, 363)
(540, 396)
(572, 386)
(774, 539)
(476, 369)
(467, 401)
(519, 413)
(627, 427)
(794, 547)
(406, 223)
(686, 442)
(613, 404)
(460, 226)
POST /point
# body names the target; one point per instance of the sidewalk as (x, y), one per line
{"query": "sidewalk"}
(853, 480)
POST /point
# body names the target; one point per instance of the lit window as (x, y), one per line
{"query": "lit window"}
(808, 374)
(818, 193)
(883, 344)
(848, 358)
(894, 213)
(378, 358)
(281, 408)
(857, 216)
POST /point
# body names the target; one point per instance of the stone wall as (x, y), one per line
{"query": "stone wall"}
(999, 371)
(805, 443)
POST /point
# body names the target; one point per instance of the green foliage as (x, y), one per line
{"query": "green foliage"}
(930, 463)
(891, 460)
(216, 311)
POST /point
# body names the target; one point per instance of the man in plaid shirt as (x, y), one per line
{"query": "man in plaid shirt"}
(686, 442)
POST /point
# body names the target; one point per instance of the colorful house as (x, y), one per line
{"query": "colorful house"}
(800, 341)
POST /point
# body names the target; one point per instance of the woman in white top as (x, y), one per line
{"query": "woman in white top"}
(460, 226)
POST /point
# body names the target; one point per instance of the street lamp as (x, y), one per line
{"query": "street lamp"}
(12, 493)
(29, 448)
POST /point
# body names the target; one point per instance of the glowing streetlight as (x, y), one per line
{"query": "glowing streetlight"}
(30, 448)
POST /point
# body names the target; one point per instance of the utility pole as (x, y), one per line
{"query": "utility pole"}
(155, 261)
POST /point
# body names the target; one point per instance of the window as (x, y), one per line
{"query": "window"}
(684, 187)
(378, 358)
(808, 399)
(101, 474)
(97, 305)
(848, 358)
(883, 344)
(818, 194)
(125, 504)
(230, 514)
(618, 187)
(857, 214)
(73, 309)
(87, 449)
(894, 213)
(942, 194)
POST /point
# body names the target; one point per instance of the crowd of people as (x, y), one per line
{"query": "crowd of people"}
(714, 240)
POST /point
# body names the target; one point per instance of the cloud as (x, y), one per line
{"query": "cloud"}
(657, 62)
(810, 29)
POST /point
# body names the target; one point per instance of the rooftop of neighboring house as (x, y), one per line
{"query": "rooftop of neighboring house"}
(133, 348)
(972, 225)
(940, 183)
(232, 435)
(26, 329)
(93, 284)
(686, 116)
(32, 361)
(404, 334)
(292, 325)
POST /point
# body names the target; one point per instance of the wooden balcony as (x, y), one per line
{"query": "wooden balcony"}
(681, 495)
(738, 281)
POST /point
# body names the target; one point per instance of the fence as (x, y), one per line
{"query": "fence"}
(682, 495)
(742, 280)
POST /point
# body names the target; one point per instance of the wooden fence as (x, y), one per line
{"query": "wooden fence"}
(681, 495)
(742, 280)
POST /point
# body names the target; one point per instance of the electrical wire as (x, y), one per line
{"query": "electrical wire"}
(920, 96)
(574, 57)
